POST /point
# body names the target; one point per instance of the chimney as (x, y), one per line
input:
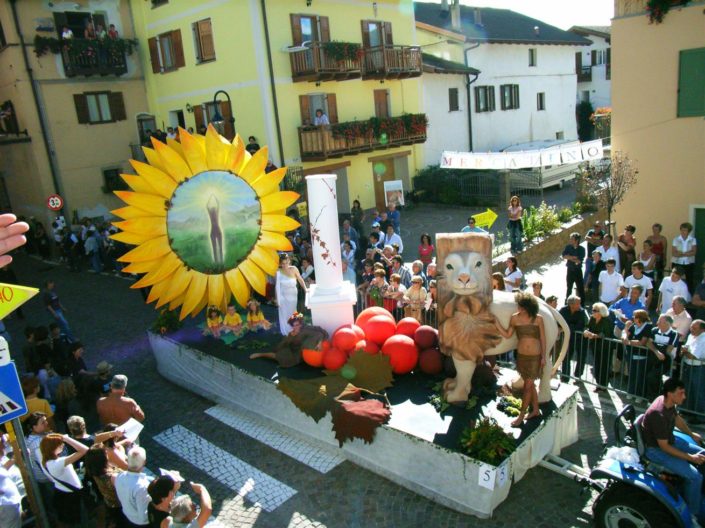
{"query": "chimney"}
(455, 15)
(477, 16)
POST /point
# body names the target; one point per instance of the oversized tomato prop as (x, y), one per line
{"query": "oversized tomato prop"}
(431, 361)
(379, 328)
(371, 347)
(407, 326)
(334, 358)
(402, 353)
(345, 339)
(368, 313)
(358, 331)
(360, 345)
(425, 337)
(312, 357)
(325, 345)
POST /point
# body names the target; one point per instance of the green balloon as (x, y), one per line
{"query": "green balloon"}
(348, 372)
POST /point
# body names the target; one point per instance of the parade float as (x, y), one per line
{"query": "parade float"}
(409, 402)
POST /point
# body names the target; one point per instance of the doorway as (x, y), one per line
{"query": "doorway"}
(382, 171)
(699, 234)
(176, 119)
(146, 124)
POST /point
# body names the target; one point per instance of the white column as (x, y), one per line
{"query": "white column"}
(330, 299)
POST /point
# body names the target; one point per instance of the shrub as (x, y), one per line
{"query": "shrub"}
(487, 442)
(541, 221)
(565, 214)
(167, 322)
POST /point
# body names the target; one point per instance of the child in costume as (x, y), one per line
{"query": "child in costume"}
(214, 322)
(232, 322)
(255, 317)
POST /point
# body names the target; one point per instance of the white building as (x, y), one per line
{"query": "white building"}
(593, 65)
(527, 83)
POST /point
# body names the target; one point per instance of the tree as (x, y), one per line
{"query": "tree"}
(610, 178)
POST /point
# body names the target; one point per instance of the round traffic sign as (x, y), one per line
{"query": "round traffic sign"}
(55, 202)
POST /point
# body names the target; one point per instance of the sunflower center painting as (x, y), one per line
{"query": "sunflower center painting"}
(207, 222)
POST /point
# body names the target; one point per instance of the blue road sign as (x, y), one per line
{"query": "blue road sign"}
(12, 404)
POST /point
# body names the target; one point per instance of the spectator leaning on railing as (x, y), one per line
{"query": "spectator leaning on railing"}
(577, 320)
(599, 328)
(662, 344)
(623, 310)
(694, 365)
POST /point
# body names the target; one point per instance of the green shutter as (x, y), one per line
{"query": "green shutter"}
(691, 83)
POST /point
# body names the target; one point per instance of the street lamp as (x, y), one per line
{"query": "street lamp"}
(218, 120)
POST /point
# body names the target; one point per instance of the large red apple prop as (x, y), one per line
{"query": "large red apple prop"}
(313, 357)
(431, 361)
(358, 331)
(334, 358)
(368, 313)
(345, 339)
(407, 326)
(371, 347)
(425, 337)
(379, 329)
(402, 353)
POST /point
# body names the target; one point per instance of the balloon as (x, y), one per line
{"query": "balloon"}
(334, 358)
(379, 329)
(313, 357)
(368, 313)
(358, 331)
(348, 372)
(344, 339)
(402, 353)
(407, 326)
(431, 361)
(371, 347)
(425, 337)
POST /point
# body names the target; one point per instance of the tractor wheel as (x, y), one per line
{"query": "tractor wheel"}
(624, 506)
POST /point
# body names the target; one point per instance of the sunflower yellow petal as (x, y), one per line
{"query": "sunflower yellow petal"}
(128, 212)
(254, 275)
(216, 288)
(194, 153)
(239, 287)
(216, 150)
(195, 292)
(269, 183)
(177, 302)
(265, 258)
(236, 156)
(160, 182)
(153, 249)
(278, 201)
(200, 306)
(173, 164)
(144, 266)
(179, 282)
(136, 183)
(281, 223)
(157, 291)
(148, 225)
(254, 168)
(166, 268)
(131, 238)
(175, 145)
(153, 158)
(275, 241)
(150, 203)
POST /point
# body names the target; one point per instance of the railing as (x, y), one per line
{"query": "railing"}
(322, 142)
(91, 61)
(585, 74)
(391, 62)
(316, 64)
(398, 308)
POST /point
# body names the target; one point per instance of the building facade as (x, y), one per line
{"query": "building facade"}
(659, 124)
(68, 106)
(593, 66)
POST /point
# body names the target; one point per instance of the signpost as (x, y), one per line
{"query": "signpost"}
(485, 219)
(13, 296)
(55, 202)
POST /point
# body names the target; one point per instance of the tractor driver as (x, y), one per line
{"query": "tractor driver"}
(673, 453)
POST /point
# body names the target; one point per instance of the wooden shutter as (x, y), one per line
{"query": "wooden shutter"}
(691, 83)
(332, 108)
(178, 48)
(387, 32)
(198, 116)
(81, 103)
(205, 39)
(117, 106)
(453, 99)
(593, 57)
(227, 112)
(578, 62)
(305, 107)
(490, 98)
(296, 36)
(477, 99)
(365, 33)
(154, 55)
(608, 57)
(324, 29)
(515, 96)
(381, 103)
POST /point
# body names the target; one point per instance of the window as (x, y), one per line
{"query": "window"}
(3, 42)
(203, 114)
(113, 181)
(484, 99)
(157, 3)
(203, 40)
(560, 135)
(376, 33)
(309, 28)
(541, 101)
(691, 83)
(8, 119)
(382, 103)
(585, 96)
(453, 103)
(509, 94)
(308, 104)
(532, 56)
(598, 57)
(166, 52)
(99, 107)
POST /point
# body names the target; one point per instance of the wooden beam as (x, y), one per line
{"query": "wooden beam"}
(322, 169)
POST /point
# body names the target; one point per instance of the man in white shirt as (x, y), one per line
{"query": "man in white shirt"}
(670, 287)
(681, 318)
(348, 273)
(638, 277)
(694, 366)
(10, 501)
(392, 238)
(684, 248)
(609, 251)
(131, 488)
(610, 282)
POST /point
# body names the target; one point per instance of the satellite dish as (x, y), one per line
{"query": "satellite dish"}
(306, 44)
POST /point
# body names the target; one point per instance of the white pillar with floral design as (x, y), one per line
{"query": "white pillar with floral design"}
(331, 298)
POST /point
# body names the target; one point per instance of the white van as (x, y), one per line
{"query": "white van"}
(542, 177)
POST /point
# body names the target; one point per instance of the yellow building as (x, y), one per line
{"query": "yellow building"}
(280, 62)
(68, 108)
(658, 97)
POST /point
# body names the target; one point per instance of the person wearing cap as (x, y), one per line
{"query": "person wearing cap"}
(186, 515)
(377, 229)
(116, 407)
(100, 384)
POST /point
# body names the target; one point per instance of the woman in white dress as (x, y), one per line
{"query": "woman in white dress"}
(286, 292)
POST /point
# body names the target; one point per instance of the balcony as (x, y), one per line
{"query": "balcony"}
(585, 74)
(391, 62)
(346, 139)
(326, 61)
(98, 60)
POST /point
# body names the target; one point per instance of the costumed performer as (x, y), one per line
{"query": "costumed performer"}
(255, 317)
(232, 322)
(286, 292)
(288, 351)
(213, 322)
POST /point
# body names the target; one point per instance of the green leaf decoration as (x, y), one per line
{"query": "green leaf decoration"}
(314, 397)
(373, 371)
(487, 442)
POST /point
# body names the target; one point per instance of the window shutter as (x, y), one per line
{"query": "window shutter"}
(178, 48)
(227, 112)
(388, 41)
(452, 99)
(578, 61)
(477, 99)
(296, 36)
(691, 83)
(324, 29)
(154, 55)
(490, 98)
(381, 103)
(81, 103)
(117, 106)
(205, 39)
(198, 116)
(608, 57)
(593, 57)
(332, 108)
(502, 96)
(365, 33)
(515, 96)
(305, 107)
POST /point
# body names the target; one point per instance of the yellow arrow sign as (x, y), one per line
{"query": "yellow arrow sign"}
(13, 296)
(485, 219)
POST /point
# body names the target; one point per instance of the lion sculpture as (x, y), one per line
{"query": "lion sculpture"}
(468, 306)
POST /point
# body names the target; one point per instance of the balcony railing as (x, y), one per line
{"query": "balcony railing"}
(585, 74)
(391, 62)
(318, 64)
(94, 61)
(319, 143)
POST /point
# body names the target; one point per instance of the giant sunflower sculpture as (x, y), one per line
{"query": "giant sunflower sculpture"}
(206, 219)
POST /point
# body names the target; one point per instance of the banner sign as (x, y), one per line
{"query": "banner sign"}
(524, 159)
(13, 296)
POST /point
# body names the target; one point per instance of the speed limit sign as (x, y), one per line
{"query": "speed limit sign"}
(55, 202)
